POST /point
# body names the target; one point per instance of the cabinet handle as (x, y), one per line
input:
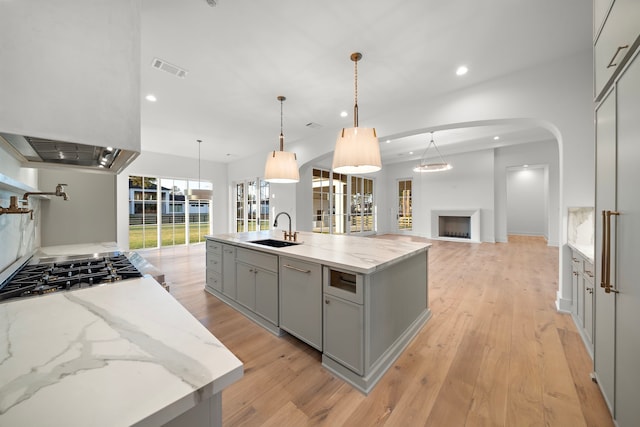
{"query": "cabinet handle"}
(615, 55)
(590, 290)
(589, 273)
(574, 259)
(291, 267)
(326, 301)
(606, 251)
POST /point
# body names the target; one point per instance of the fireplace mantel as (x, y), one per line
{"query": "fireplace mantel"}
(461, 232)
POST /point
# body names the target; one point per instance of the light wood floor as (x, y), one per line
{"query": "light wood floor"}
(495, 352)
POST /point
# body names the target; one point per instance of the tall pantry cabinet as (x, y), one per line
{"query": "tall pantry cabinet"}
(617, 295)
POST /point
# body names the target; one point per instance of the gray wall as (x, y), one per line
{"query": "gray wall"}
(527, 202)
(89, 216)
(540, 153)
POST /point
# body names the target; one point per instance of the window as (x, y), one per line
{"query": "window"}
(342, 204)
(181, 221)
(252, 211)
(405, 206)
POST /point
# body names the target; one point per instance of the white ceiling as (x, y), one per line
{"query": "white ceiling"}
(241, 54)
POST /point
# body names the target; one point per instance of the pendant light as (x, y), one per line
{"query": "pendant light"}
(199, 193)
(281, 166)
(423, 166)
(357, 149)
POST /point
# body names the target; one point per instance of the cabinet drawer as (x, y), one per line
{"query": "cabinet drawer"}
(343, 284)
(214, 262)
(258, 259)
(615, 43)
(214, 280)
(588, 271)
(214, 247)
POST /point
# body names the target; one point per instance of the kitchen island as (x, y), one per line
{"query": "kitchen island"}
(357, 300)
(120, 354)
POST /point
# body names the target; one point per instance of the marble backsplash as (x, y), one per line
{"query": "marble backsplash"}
(580, 229)
(18, 232)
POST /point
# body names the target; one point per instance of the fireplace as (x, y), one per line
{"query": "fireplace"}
(456, 225)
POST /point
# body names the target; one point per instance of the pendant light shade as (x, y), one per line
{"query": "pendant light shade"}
(357, 149)
(199, 193)
(425, 166)
(281, 166)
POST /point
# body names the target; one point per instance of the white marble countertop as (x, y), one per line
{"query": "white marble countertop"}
(354, 253)
(118, 354)
(585, 250)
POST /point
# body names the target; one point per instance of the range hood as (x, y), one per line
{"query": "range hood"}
(40, 152)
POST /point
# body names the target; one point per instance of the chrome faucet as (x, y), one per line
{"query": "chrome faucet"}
(59, 192)
(287, 236)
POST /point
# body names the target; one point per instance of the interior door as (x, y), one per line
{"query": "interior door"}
(627, 282)
(604, 330)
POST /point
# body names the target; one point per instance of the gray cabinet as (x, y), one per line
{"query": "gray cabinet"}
(229, 270)
(615, 42)
(343, 315)
(257, 283)
(582, 281)
(344, 332)
(617, 290)
(301, 300)
(214, 266)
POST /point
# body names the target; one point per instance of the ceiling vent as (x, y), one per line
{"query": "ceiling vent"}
(163, 65)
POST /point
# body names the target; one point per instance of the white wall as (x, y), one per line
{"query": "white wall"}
(469, 186)
(71, 71)
(538, 153)
(89, 216)
(167, 166)
(19, 234)
(526, 202)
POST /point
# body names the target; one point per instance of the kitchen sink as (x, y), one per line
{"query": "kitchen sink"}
(274, 243)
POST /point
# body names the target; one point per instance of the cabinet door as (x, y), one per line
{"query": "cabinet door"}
(214, 281)
(246, 285)
(615, 42)
(266, 295)
(588, 303)
(604, 330)
(625, 265)
(229, 271)
(344, 333)
(575, 287)
(301, 300)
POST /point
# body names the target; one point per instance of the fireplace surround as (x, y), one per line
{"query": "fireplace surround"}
(456, 225)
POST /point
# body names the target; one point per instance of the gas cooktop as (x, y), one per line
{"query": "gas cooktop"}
(41, 278)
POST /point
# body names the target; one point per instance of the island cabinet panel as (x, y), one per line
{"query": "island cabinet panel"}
(344, 332)
(301, 300)
(394, 297)
(229, 270)
(257, 282)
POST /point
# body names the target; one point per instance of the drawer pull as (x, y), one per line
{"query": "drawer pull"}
(327, 301)
(291, 267)
(589, 273)
(615, 55)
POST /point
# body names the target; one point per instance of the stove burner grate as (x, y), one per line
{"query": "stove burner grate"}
(39, 279)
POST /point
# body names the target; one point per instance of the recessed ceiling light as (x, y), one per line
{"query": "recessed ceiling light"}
(496, 138)
(344, 114)
(410, 152)
(525, 166)
(462, 70)
(388, 141)
(151, 98)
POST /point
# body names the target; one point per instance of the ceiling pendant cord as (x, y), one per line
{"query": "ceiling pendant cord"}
(281, 99)
(199, 143)
(437, 150)
(355, 57)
